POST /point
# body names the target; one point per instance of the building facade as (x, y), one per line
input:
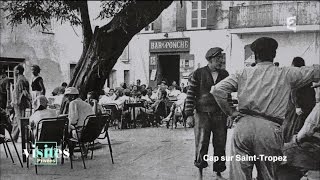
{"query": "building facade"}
(159, 52)
(175, 44)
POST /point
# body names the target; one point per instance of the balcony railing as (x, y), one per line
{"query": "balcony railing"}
(276, 14)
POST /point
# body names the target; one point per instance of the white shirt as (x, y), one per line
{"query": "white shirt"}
(78, 111)
(174, 93)
(265, 89)
(146, 97)
(214, 76)
(107, 99)
(41, 114)
(180, 99)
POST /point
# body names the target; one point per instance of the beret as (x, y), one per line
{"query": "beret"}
(212, 52)
(264, 44)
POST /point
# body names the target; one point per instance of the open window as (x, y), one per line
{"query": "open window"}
(9, 64)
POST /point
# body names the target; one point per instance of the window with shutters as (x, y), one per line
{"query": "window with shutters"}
(197, 14)
(8, 64)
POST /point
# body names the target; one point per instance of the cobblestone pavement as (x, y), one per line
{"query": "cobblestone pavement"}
(139, 154)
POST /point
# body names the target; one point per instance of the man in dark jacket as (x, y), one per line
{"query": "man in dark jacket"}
(4, 95)
(208, 116)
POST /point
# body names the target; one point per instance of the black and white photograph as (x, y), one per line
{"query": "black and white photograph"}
(159, 90)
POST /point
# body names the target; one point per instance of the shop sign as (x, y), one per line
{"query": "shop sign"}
(153, 61)
(169, 45)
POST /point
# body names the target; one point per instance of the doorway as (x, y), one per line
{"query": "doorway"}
(169, 68)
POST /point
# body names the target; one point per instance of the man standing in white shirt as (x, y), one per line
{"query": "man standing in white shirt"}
(263, 94)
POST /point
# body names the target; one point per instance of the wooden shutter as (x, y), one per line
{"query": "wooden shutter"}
(181, 16)
(212, 13)
(157, 24)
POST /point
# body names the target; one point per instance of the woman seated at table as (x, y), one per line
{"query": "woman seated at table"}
(145, 96)
(154, 108)
(135, 92)
(122, 97)
(108, 97)
(174, 91)
(177, 107)
(92, 99)
(41, 112)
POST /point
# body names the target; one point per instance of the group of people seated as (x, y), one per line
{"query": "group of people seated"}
(150, 99)
(154, 101)
(78, 110)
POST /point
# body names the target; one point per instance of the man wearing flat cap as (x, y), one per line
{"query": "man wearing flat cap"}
(263, 94)
(208, 116)
(77, 113)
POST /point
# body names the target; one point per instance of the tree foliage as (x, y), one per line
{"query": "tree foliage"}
(39, 13)
(101, 47)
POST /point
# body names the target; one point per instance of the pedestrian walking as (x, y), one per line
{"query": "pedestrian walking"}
(21, 100)
(208, 116)
(263, 95)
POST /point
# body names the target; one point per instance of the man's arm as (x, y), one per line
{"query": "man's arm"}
(302, 76)
(191, 93)
(221, 91)
(43, 89)
(313, 120)
(296, 99)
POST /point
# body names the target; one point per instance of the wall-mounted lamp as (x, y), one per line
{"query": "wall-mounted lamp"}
(166, 35)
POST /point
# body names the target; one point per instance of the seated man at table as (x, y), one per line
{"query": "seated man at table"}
(155, 107)
(78, 110)
(120, 98)
(40, 104)
(92, 99)
(155, 93)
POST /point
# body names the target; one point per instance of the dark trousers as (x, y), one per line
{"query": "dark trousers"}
(3, 117)
(16, 124)
(205, 124)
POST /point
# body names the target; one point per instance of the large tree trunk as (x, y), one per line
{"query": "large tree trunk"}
(109, 41)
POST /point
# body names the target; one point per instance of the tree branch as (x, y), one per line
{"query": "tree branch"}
(110, 40)
(86, 25)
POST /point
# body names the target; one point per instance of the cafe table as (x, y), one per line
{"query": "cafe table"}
(132, 106)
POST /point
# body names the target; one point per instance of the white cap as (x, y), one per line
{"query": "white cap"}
(71, 90)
